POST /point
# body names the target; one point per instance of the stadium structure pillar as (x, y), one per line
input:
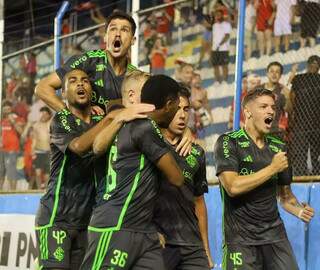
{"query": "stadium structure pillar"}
(57, 33)
(135, 47)
(239, 64)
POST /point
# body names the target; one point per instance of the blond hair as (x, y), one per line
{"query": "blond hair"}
(133, 76)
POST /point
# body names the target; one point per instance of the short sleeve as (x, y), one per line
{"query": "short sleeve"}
(200, 178)
(148, 139)
(228, 28)
(62, 131)
(74, 62)
(225, 154)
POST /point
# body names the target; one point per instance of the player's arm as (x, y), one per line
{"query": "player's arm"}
(117, 118)
(236, 184)
(169, 167)
(201, 213)
(46, 91)
(290, 203)
(83, 144)
(227, 167)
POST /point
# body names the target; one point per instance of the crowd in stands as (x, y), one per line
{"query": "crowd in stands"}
(270, 27)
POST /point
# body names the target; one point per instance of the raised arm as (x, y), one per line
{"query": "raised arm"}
(236, 184)
(46, 91)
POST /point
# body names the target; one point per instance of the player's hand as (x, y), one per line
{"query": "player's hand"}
(185, 145)
(162, 240)
(280, 162)
(136, 111)
(96, 110)
(306, 213)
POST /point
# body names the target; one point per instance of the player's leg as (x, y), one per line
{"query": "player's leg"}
(151, 254)
(53, 246)
(279, 256)
(115, 250)
(241, 257)
(171, 257)
(268, 40)
(78, 248)
(193, 258)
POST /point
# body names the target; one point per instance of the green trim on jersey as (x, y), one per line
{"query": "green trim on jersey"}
(238, 134)
(102, 249)
(224, 244)
(102, 54)
(136, 180)
(275, 139)
(44, 251)
(56, 197)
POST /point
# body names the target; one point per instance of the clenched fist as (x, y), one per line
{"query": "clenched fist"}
(280, 162)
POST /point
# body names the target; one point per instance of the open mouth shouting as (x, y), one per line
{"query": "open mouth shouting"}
(117, 45)
(81, 93)
(268, 121)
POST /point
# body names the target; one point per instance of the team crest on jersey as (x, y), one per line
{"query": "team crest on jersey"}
(192, 161)
(59, 254)
(244, 144)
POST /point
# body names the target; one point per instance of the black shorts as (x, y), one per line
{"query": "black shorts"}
(60, 248)
(275, 256)
(219, 58)
(123, 250)
(185, 258)
(42, 162)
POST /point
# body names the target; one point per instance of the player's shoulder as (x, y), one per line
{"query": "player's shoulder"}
(234, 136)
(62, 119)
(197, 150)
(144, 126)
(272, 139)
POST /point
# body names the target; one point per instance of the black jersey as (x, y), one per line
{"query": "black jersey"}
(175, 210)
(70, 194)
(251, 218)
(106, 85)
(127, 194)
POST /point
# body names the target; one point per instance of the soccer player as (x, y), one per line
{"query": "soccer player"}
(106, 68)
(181, 213)
(121, 232)
(65, 209)
(252, 165)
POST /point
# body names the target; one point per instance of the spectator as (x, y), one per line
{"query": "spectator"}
(31, 68)
(206, 38)
(34, 115)
(2, 166)
(285, 11)
(12, 127)
(158, 57)
(249, 27)
(310, 21)
(11, 86)
(24, 90)
(265, 18)
(150, 36)
(21, 108)
(163, 23)
(249, 83)
(99, 18)
(220, 46)
(200, 104)
(280, 123)
(184, 73)
(41, 148)
(22, 65)
(305, 120)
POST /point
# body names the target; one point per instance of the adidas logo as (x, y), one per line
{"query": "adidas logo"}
(248, 159)
(99, 83)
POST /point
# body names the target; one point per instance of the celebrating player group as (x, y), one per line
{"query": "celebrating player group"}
(127, 181)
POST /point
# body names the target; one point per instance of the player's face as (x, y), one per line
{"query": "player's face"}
(180, 120)
(274, 74)
(261, 112)
(187, 74)
(119, 38)
(78, 89)
(170, 111)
